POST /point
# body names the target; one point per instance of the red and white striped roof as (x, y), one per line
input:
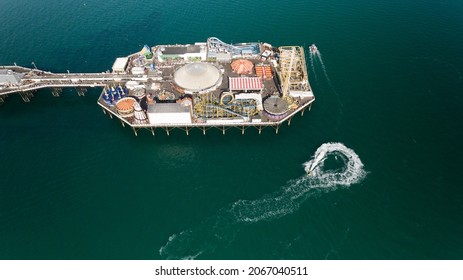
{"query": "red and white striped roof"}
(245, 83)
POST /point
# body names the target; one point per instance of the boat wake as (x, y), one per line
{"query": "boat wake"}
(312, 66)
(221, 229)
(319, 58)
(315, 55)
(316, 58)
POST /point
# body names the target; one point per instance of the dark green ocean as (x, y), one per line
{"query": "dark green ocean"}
(75, 184)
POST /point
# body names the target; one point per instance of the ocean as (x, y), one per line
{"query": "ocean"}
(75, 184)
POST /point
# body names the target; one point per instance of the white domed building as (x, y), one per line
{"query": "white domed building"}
(198, 77)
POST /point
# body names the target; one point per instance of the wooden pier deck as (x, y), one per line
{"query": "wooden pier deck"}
(34, 79)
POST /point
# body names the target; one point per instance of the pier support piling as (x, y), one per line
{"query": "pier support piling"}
(81, 91)
(56, 91)
(123, 124)
(260, 129)
(167, 131)
(204, 130)
(302, 112)
(1, 100)
(135, 131)
(276, 130)
(223, 130)
(152, 131)
(25, 96)
(186, 130)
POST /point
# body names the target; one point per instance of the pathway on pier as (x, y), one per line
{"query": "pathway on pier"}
(33, 79)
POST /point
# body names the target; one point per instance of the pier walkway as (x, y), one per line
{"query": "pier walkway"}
(23, 81)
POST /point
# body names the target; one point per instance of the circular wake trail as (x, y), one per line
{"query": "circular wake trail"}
(221, 229)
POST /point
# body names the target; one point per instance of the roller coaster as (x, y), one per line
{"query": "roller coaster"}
(208, 106)
(215, 45)
(292, 70)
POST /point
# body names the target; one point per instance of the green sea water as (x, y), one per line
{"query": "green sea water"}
(75, 184)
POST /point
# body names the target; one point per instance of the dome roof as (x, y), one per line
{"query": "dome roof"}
(197, 77)
(276, 105)
(242, 66)
(125, 104)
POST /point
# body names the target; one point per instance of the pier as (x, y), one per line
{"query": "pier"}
(24, 80)
(205, 85)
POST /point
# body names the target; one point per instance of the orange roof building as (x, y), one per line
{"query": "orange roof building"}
(242, 66)
(125, 106)
(264, 71)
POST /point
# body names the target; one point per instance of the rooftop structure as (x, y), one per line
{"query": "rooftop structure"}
(245, 83)
(8, 77)
(198, 77)
(120, 64)
(242, 66)
(264, 71)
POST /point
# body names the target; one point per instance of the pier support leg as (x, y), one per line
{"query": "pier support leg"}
(186, 130)
(1, 100)
(302, 113)
(152, 131)
(260, 129)
(25, 97)
(56, 91)
(289, 121)
(135, 131)
(167, 131)
(242, 130)
(110, 115)
(310, 106)
(104, 111)
(223, 130)
(123, 124)
(276, 131)
(204, 130)
(81, 91)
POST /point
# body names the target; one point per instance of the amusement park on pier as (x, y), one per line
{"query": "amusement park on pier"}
(203, 85)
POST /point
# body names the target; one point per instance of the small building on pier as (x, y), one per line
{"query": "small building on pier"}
(120, 65)
(9, 77)
(169, 113)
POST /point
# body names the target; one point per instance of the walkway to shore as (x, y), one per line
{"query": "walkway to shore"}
(33, 79)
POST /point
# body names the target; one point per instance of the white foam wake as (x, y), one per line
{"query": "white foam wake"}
(353, 166)
(313, 67)
(317, 57)
(221, 229)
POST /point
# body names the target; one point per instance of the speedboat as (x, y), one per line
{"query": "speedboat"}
(313, 49)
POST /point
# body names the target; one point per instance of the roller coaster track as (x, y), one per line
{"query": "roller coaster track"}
(216, 43)
(226, 110)
(293, 70)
